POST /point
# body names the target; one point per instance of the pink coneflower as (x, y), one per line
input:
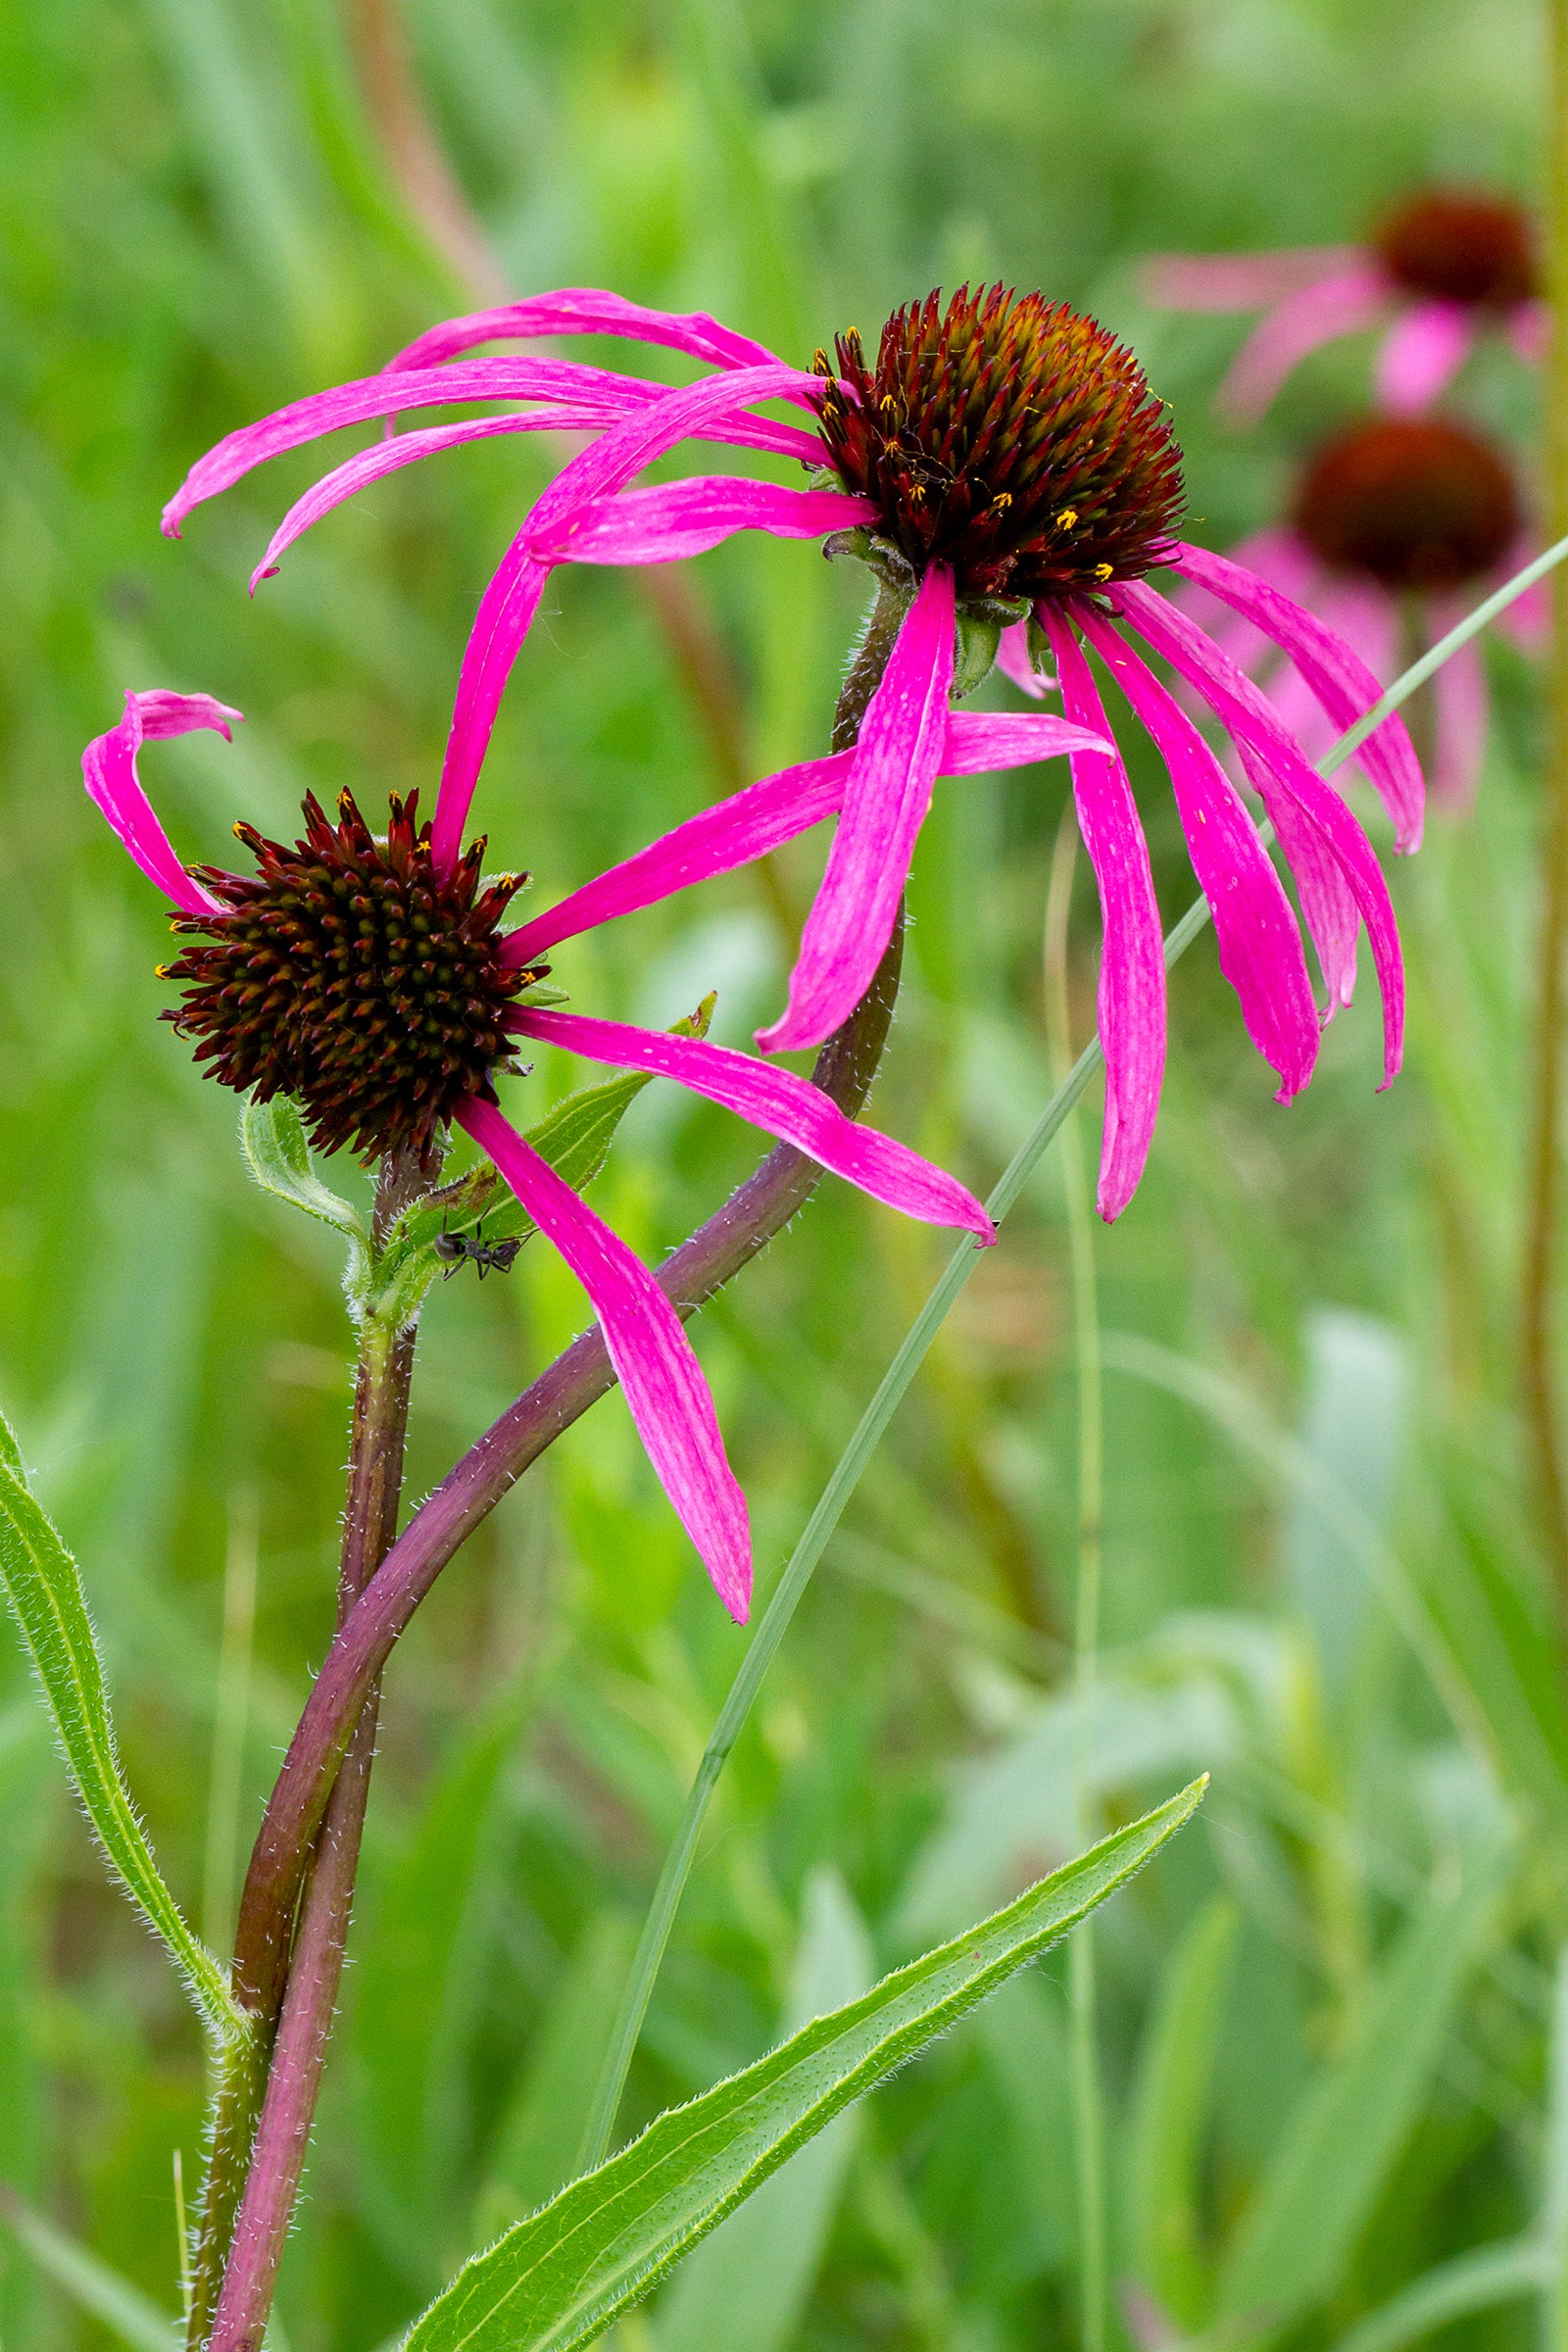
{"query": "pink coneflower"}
(1397, 525)
(1441, 267)
(356, 974)
(1004, 461)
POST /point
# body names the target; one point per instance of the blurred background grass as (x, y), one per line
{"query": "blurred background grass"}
(1328, 2040)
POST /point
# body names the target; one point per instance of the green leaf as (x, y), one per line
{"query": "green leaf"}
(749, 2283)
(1333, 2154)
(272, 1139)
(1478, 2281)
(10, 1450)
(44, 1591)
(561, 2278)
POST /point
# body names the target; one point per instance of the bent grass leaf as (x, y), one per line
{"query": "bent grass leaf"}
(44, 1591)
(560, 2279)
(1475, 2282)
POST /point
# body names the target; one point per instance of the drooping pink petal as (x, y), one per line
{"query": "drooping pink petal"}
(676, 519)
(776, 1101)
(586, 311)
(592, 390)
(653, 1359)
(886, 796)
(109, 770)
(1462, 709)
(1421, 353)
(1530, 331)
(1250, 722)
(1261, 950)
(511, 598)
(1342, 305)
(1336, 673)
(766, 815)
(1132, 962)
(1328, 908)
(1241, 281)
(1015, 662)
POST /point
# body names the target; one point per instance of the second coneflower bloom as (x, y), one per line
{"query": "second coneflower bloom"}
(370, 977)
(1004, 465)
(1396, 526)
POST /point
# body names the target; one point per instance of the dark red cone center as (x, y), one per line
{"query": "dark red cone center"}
(1012, 439)
(1419, 506)
(1461, 245)
(353, 976)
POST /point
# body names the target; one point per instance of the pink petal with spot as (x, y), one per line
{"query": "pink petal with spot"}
(511, 598)
(1251, 724)
(676, 519)
(592, 389)
(586, 311)
(1261, 950)
(1015, 662)
(1132, 962)
(1241, 281)
(766, 815)
(888, 791)
(653, 1359)
(1337, 674)
(776, 1101)
(1315, 315)
(109, 770)
(1421, 353)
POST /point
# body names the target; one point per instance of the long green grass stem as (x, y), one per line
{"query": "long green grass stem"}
(1538, 1317)
(786, 1596)
(1088, 2102)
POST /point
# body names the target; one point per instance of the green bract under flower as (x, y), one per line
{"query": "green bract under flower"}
(354, 978)
(1013, 440)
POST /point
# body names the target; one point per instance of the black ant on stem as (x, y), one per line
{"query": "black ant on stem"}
(471, 1248)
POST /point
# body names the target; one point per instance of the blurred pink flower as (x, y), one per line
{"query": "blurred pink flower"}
(1442, 266)
(1397, 528)
(382, 995)
(1002, 459)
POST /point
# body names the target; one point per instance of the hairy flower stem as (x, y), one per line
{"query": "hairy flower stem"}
(1544, 1196)
(265, 2101)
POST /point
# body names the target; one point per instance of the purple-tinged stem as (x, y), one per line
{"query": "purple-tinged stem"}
(1539, 1321)
(263, 2116)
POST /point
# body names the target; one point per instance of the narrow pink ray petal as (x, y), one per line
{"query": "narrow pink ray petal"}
(1260, 951)
(766, 815)
(1340, 304)
(1248, 716)
(1530, 331)
(886, 796)
(511, 599)
(109, 772)
(594, 389)
(1328, 909)
(1017, 663)
(1420, 356)
(1337, 674)
(1463, 708)
(1241, 281)
(1132, 962)
(777, 1102)
(653, 1359)
(586, 311)
(676, 519)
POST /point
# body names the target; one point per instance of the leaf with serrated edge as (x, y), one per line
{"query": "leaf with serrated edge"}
(44, 1591)
(273, 1140)
(560, 2279)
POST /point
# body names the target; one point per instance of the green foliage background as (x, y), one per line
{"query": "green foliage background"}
(1328, 2037)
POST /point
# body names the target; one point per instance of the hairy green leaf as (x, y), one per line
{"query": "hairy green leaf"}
(44, 1591)
(272, 1139)
(561, 2278)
